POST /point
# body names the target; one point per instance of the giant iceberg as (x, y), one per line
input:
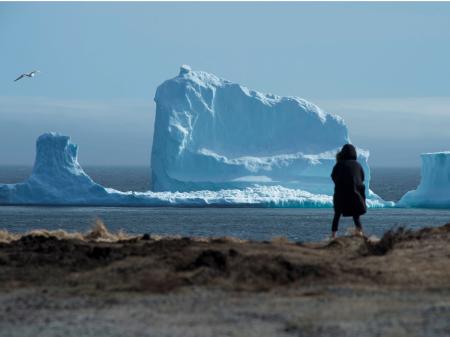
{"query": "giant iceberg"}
(434, 188)
(213, 134)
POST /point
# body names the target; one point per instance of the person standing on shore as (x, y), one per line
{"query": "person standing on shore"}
(349, 197)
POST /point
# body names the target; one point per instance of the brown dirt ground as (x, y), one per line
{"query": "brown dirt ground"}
(403, 258)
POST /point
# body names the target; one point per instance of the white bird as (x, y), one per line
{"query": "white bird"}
(30, 75)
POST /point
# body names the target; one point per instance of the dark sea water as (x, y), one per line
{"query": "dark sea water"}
(247, 223)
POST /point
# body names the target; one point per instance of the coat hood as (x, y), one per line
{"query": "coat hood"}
(348, 152)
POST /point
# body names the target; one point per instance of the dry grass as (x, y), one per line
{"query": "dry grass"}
(98, 233)
(6, 237)
(280, 240)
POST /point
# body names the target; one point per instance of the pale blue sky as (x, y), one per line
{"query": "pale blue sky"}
(384, 67)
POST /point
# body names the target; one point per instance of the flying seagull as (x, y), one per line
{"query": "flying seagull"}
(30, 75)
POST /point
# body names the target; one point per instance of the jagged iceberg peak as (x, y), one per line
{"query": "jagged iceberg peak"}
(55, 154)
(57, 177)
(211, 132)
(434, 188)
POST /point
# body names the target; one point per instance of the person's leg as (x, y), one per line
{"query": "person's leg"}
(358, 225)
(335, 225)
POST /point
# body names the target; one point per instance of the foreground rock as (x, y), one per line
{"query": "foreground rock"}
(398, 286)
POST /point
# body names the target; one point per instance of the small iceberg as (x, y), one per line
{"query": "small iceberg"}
(434, 188)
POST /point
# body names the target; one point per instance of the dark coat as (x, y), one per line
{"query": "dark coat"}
(349, 197)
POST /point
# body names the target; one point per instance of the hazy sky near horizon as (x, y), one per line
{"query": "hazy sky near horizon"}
(383, 67)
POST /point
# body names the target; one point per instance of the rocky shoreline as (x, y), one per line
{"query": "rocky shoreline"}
(108, 285)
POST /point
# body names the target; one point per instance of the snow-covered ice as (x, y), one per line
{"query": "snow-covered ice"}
(58, 179)
(434, 188)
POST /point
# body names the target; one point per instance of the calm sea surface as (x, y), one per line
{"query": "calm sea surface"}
(247, 223)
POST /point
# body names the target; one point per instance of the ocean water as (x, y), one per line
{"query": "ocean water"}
(247, 223)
